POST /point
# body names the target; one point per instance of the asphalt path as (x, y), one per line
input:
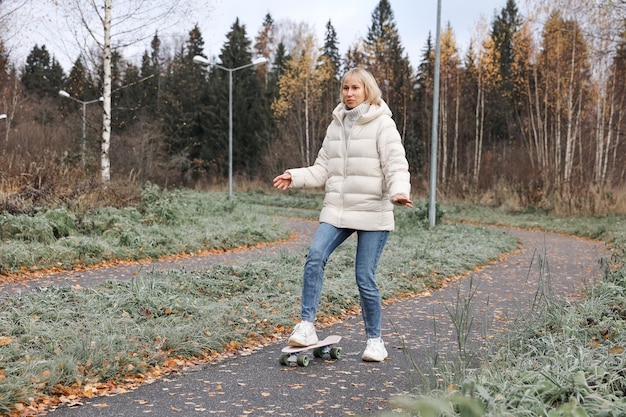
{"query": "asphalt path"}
(419, 333)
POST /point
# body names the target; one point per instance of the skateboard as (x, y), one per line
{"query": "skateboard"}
(297, 354)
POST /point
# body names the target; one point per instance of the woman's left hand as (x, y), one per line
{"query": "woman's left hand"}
(400, 200)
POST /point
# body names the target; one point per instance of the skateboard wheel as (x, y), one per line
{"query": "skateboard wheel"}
(318, 352)
(303, 360)
(284, 359)
(335, 353)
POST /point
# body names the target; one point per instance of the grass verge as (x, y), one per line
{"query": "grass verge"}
(65, 343)
(565, 359)
(163, 223)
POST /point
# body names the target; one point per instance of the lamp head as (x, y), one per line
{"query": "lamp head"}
(198, 59)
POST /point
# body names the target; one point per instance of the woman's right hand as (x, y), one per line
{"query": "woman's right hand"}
(283, 181)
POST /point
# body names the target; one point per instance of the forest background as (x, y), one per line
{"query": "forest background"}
(532, 114)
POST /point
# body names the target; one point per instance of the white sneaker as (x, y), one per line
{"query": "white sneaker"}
(375, 350)
(303, 335)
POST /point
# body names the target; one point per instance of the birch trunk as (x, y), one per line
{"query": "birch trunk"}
(479, 116)
(455, 144)
(572, 122)
(105, 161)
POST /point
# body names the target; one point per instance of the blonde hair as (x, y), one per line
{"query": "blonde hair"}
(373, 95)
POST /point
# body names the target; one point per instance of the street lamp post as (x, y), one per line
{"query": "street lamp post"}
(84, 104)
(202, 60)
(432, 205)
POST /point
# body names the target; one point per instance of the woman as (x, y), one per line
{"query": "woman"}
(363, 167)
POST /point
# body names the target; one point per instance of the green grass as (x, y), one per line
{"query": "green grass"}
(559, 362)
(606, 228)
(564, 360)
(164, 223)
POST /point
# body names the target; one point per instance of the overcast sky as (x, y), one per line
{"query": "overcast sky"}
(351, 19)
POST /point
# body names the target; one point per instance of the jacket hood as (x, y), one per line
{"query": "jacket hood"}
(375, 111)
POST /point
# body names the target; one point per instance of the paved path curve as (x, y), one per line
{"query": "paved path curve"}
(254, 384)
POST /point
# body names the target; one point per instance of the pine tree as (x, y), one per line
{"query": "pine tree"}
(332, 61)
(278, 154)
(522, 75)
(264, 44)
(128, 99)
(43, 75)
(182, 94)
(504, 30)
(387, 61)
(79, 82)
(355, 56)
(278, 68)
(151, 76)
(331, 48)
(248, 105)
(502, 99)
(417, 145)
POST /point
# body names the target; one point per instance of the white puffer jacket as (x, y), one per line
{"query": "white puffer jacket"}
(360, 173)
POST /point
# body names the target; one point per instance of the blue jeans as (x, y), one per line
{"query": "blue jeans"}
(370, 246)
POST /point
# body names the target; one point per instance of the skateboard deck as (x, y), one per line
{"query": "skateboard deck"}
(298, 354)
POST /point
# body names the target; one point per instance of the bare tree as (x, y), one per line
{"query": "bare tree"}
(8, 24)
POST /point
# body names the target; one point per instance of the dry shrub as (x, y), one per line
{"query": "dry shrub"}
(281, 154)
(33, 167)
(590, 200)
(137, 155)
(77, 195)
(118, 194)
(40, 168)
(507, 181)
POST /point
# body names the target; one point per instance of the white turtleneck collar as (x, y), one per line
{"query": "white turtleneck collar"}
(351, 115)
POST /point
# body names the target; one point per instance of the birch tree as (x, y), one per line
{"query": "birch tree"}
(448, 106)
(300, 97)
(606, 21)
(105, 160)
(485, 74)
(602, 26)
(99, 28)
(617, 118)
(523, 77)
